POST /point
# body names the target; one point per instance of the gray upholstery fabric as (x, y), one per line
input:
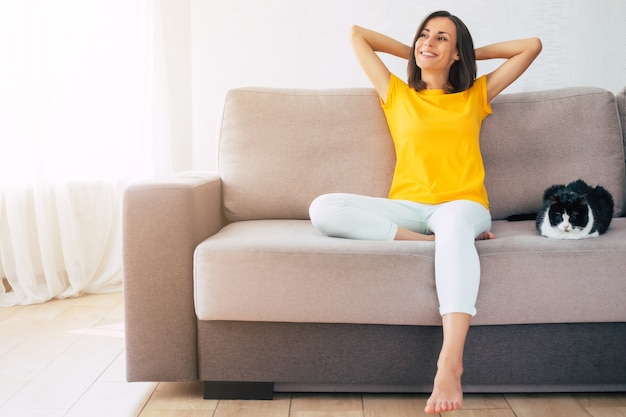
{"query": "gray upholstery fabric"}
(534, 140)
(163, 222)
(286, 271)
(338, 357)
(279, 149)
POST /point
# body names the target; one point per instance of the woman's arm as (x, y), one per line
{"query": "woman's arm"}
(519, 54)
(365, 44)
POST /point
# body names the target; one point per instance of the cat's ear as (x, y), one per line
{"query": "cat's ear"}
(550, 192)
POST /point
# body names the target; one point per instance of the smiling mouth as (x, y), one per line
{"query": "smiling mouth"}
(427, 54)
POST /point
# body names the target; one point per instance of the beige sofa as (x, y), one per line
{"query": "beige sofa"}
(227, 282)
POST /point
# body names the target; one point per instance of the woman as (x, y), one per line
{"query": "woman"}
(438, 191)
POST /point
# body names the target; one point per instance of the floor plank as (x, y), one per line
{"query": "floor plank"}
(41, 412)
(68, 376)
(326, 402)
(326, 414)
(607, 411)
(278, 407)
(557, 405)
(482, 413)
(111, 395)
(180, 396)
(106, 399)
(602, 400)
(484, 401)
(394, 405)
(176, 413)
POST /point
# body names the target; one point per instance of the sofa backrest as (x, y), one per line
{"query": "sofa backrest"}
(280, 148)
(537, 139)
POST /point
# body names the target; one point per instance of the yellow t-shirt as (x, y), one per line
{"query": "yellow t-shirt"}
(436, 137)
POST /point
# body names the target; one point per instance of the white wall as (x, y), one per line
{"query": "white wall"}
(304, 44)
(175, 18)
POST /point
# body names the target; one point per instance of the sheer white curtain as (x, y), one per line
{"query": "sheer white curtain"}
(82, 113)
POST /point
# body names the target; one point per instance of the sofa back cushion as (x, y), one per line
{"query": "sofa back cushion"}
(281, 148)
(537, 139)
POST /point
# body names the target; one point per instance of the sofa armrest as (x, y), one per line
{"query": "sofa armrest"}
(163, 222)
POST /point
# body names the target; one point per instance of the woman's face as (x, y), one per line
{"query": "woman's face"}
(435, 48)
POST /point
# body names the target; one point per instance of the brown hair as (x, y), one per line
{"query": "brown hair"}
(463, 72)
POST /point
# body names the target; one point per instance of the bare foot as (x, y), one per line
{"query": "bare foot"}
(447, 392)
(486, 236)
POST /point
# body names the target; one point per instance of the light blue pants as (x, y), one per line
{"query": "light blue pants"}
(456, 225)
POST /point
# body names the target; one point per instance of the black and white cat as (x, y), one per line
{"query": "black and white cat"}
(575, 211)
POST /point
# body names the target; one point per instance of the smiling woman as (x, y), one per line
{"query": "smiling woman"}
(435, 121)
(82, 111)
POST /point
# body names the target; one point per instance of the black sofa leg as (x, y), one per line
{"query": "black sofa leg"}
(238, 390)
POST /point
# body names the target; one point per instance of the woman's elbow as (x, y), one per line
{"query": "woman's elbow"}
(535, 45)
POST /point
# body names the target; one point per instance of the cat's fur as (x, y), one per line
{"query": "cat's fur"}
(575, 211)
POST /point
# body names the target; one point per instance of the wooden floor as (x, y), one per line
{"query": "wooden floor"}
(66, 358)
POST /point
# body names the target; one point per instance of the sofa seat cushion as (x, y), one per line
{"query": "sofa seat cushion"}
(286, 271)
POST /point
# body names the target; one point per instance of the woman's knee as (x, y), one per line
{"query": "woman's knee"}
(350, 216)
(460, 218)
(323, 210)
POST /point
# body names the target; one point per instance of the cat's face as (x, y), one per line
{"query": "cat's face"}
(569, 216)
(575, 211)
